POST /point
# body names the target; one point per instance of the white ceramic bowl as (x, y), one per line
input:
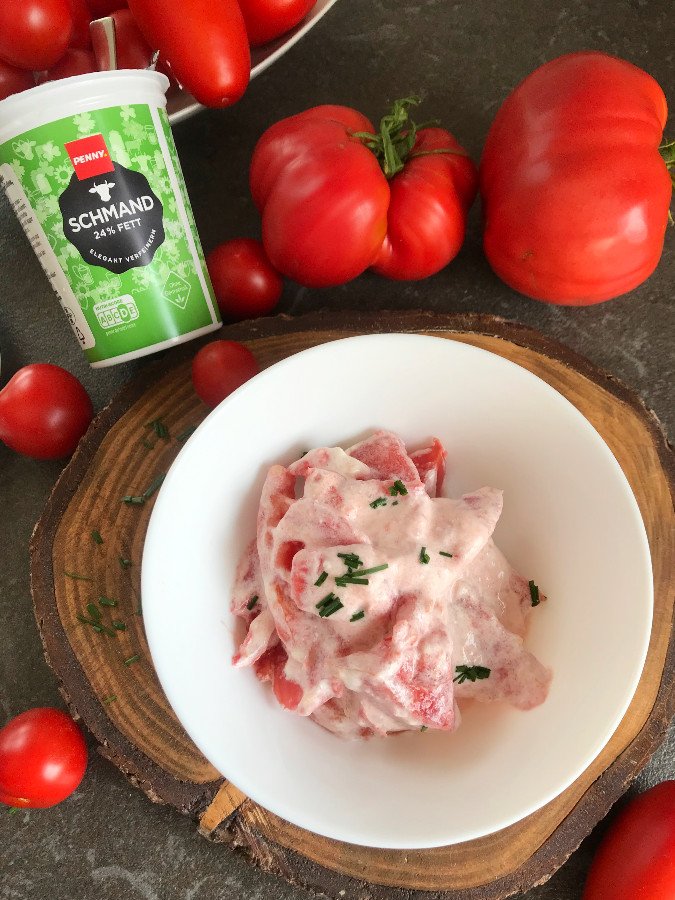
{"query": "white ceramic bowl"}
(570, 522)
(182, 105)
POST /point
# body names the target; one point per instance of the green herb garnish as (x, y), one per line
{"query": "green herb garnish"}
(398, 488)
(119, 626)
(344, 580)
(109, 699)
(363, 572)
(380, 501)
(96, 625)
(77, 577)
(351, 560)
(320, 580)
(133, 501)
(159, 428)
(94, 612)
(534, 593)
(184, 435)
(252, 602)
(131, 660)
(139, 500)
(147, 444)
(395, 503)
(329, 605)
(444, 553)
(96, 537)
(424, 556)
(470, 673)
(357, 615)
(124, 563)
(106, 601)
(424, 728)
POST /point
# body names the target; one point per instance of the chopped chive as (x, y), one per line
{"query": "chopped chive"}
(320, 580)
(139, 609)
(344, 580)
(12, 810)
(395, 503)
(252, 602)
(424, 728)
(379, 501)
(109, 699)
(94, 612)
(124, 563)
(534, 594)
(398, 488)
(106, 601)
(470, 673)
(95, 624)
(184, 435)
(424, 556)
(357, 615)
(159, 428)
(329, 598)
(351, 560)
(329, 605)
(147, 444)
(131, 660)
(443, 553)
(154, 486)
(362, 572)
(133, 501)
(96, 537)
(77, 577)
(119, 626)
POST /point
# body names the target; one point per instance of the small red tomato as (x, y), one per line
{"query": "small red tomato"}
(34, 34)
(73, 62)
(245, 283)
(636, 858)
(81, 37)
(43, 758)
(220, 368)
(133, 51)
(44, 411)
(268, 19)
(13, 80)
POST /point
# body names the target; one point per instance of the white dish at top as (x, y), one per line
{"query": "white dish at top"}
(570, 522)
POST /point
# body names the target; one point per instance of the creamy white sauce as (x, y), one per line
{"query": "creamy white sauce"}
(394, 667)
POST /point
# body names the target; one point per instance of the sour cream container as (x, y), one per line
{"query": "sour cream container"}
(90, 168)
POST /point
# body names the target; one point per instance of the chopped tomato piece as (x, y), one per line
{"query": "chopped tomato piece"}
(430, 463)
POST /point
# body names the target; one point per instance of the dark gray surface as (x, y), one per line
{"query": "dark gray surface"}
(108, 841)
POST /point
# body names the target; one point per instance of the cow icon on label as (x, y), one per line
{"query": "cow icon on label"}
(103, 190)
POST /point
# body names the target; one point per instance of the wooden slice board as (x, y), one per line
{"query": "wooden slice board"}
(109, 681)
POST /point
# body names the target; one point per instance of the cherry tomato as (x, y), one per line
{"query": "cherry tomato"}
(73, 62)
(43, 758)
(220, 368)
(268, 19)
(34, 34)
(636, 858)
(575, 191)
(81, 37)
(205, 42)
(13, 80)
(243, 279)
(44, 411)
(101, 8)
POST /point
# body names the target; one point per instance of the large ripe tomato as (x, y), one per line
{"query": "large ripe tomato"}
(636, 859)
(44, 411)
(243, 279)
(205, 43)
(399, 203)
(101, 8)
(220, 368)
(34, 34)
(43, 758)
(73, 62)
(268, 19)
(575, 192)
(13, 80)
(81, 36)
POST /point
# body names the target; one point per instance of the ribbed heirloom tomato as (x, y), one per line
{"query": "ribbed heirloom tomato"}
(575, 192)
(337, 198)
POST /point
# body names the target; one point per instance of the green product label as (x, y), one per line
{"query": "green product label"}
(102, 199)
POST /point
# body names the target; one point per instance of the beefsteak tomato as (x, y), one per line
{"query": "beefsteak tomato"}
(636, 858)
(575, 192)
(336, 197)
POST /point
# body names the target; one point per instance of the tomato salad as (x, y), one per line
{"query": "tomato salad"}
(372, 604)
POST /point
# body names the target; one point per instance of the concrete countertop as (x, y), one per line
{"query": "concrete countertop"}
(108, 841)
